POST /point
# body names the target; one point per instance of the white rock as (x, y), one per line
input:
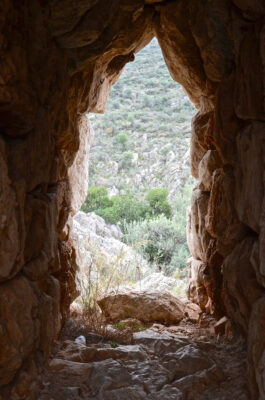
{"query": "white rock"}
(80, 340)
(78, 172)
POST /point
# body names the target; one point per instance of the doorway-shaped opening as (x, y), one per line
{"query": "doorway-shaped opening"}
(132, 230)
(61, 66)
(140, 183)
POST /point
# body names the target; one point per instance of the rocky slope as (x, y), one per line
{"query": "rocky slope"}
(104, 260)
(155, 114)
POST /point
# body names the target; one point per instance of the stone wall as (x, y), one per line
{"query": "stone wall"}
(59, 59)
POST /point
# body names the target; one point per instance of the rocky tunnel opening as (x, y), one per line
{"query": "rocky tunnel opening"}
(58, 61)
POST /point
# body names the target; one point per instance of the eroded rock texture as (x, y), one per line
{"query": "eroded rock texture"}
(160, 363)
(58, 61)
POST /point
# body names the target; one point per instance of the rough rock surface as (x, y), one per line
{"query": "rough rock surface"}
(100, 248)
(198, 282)
(159, 364)
(96, 237)
(147, 306)
(58, 61)
(78, 172)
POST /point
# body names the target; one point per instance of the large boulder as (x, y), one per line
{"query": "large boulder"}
(147, 306)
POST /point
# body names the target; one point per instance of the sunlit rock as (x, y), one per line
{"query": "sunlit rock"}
(146, 306)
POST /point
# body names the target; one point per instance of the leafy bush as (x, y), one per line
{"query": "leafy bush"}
(122, 140)
(159, 240)
(125, 208)
(157, 199)
(127, 157)
(117, 209)
(97, 198)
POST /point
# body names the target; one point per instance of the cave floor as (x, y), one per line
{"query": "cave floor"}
(183, 362)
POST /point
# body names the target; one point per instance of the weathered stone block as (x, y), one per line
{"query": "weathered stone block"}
(221, 220)
(197, 236)
(208, 164)
(239, 296)
(249, 175)
(18, 326)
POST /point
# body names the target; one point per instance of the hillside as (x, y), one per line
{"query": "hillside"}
(142, 143)
(142, 140)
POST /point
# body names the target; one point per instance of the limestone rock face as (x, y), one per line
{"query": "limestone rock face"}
(100, 248)
(237, 270)
(202, 127)
(256, 347)
(58, 61)
(146, 306)
(10, 261)
(198, 283)
(208, 164)
(221, 220)
(78, 172)
(197, 236)
(19, 341)
(250, 182)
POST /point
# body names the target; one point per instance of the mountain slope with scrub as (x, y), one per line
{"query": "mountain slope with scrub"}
(141, 146)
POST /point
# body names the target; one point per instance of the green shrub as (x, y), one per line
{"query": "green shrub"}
(127, 209)
(122, 140)
(179, 259)
(97, 198)
(159, 240)
(131, 117)
(127, 157)
(117, 209)
(157, 199)
(128, 93)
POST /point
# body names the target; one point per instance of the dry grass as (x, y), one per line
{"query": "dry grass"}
(99, 279)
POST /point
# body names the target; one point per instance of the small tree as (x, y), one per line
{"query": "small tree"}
(127, 157)
(157, 199)
(97, 198)
(160, 241)
(122, 140)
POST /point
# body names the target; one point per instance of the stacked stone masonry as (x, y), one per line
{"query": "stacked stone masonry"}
(58, 60)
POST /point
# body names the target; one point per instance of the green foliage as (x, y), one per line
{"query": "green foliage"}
(117, 209)
(121, 326)
(145, 100)
(146, 112)
(127, 157)
(158, 202)
(122, 140)
(180, 205)
(159, 240)
(97, 198)
(125, 208)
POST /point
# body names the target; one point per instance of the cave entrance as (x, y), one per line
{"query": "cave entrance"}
(140, 182)
(60, 59)
(142, 144)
